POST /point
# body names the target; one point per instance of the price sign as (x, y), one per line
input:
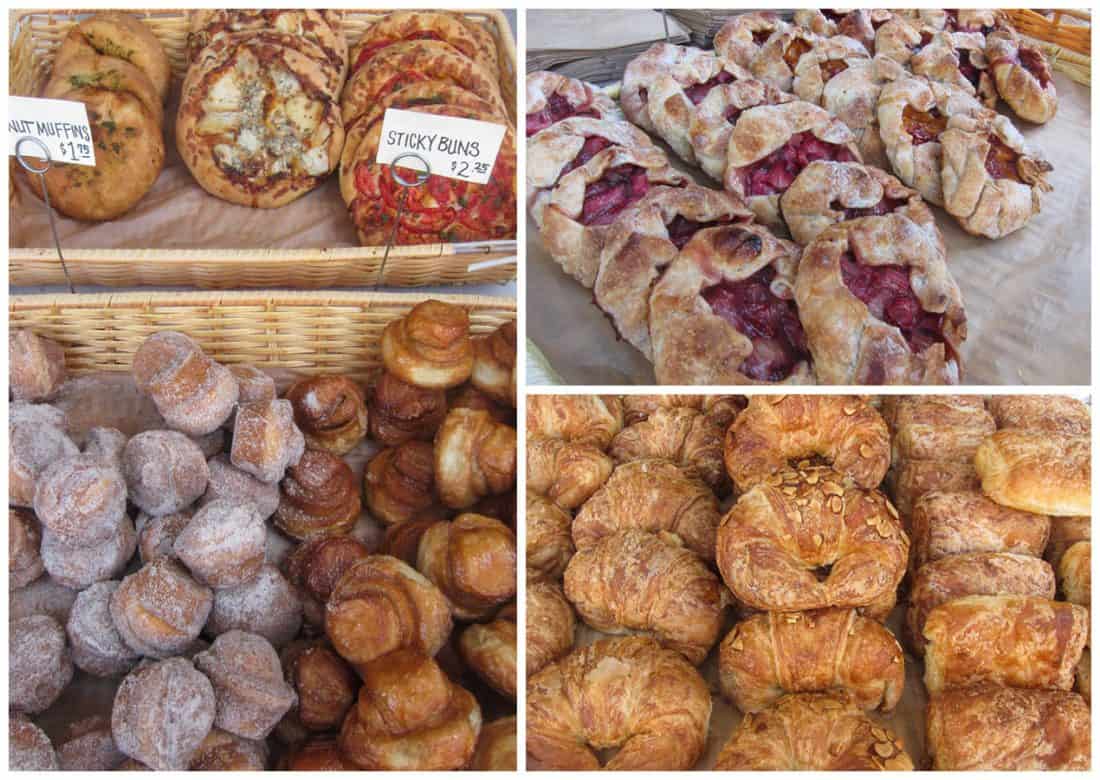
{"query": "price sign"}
(61, 125)
(454, 147)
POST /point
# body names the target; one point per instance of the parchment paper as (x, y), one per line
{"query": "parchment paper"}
(1027, 295)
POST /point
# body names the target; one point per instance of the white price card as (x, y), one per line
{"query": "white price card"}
(452, 146)
(62, 125)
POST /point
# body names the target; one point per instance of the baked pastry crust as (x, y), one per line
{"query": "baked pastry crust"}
(827, 192)
(472, 560)
(938, 428)
(330, 411)
(115, 34)
(957, 59)
(899, 38)
(723, 312)
(772, 654)
(1064, 533)
(1037, 472)
(475, 457)
(686, 437)
(104, 72)
(773, 540)
(992, 184)
(1023, 77)
(911, 479)
(769, 145)
(494, 372)
(644, 241)
(778, 58)
(450, 28)
(827, 58)
(400, 411)
(714, 119)
(812, 731)
(567, 473)
(741, 38)
(1060, 414)
(551, 624)
(684, 65)
(775, 430)
(577, 706)
(994, 727)
(430, 347)
(399, 482)
(972, 574)
(853, 343)
(553, 97)
(318, 497)
(1018, 641)
(490, 650)
(587, 419)
(852, 97)
(549, 545)
(1075, 574)
(496, 747)
(948, 523)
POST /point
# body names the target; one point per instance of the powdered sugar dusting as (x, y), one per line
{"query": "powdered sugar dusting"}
(39, 664)
(267, 606)
(97, 646)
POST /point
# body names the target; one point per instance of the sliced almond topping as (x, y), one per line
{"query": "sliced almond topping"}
(886, 749)
(836, 503)
(865, 450)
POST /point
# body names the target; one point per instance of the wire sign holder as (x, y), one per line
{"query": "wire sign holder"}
(40, 172)
(405, 185)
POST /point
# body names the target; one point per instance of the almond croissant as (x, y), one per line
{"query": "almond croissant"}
(549, 544)
(781, 533)
(586, 419)
(475, 456)
(627, 692)
(472, 560)
(652, 495)
(637, 580)
(774, 653)
(550, 625)
(684, 436)
(566, 472)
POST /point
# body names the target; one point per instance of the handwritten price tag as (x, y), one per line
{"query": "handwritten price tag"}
(62, 125)
(454, 147)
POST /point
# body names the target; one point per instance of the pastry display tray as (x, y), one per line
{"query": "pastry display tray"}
(1027, 296)
(179, 235)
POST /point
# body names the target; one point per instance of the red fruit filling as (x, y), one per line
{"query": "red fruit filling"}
(1000, 160)
(833, 16)
(771, 323)
(923, 126)
(593, 145)
(794, 51)
(1035, 64)
(774, 173)
(885, 206)
(606, 198)
(889, 296)
(557, 109)
(830, 68)
(760, 37)
(681, 229)
(968, 69)
(732, 113)
(699, 91)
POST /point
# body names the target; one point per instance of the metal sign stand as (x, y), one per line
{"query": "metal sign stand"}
(664, 18)
(40, 172)
(405, 185)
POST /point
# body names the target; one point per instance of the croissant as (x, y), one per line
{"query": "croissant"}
(549, 544)
(1057, 414)
(381, 604)
(1021, 641)
(626, 692)
(496, 747)
(400, 482)
(684, 436)
(403, 540)
(973, 574)
(774, 653)
(774, 540)
(636, 580)
(330, 411)
(937, 427)
(410, 716)
(637, 408)
(954, 522)
(550, 625)
(651, 495)
(1064, 533)
(586, 419)
(474, 457)
(430, 346)
(993, 727)
(320, 496)
(494, 371)
(318, 754)
(472, 560)
(316, 565)
(1084, 676)
(941, 411)
(774, 430)
(490, 650)
(1075, 574)
(913, 478)
(812, 731)
(469, 397)
(565, 472)
(1037, 471)
(400, 411)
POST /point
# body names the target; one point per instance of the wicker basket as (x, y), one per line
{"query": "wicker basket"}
(308, 332)
(35, 36)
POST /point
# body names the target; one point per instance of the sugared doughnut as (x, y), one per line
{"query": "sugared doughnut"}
(44, 596)
(160, 609)
(97, 647)
(157, 535)
(80, 501)
(36, 366)
(105, 445)
(164, 470)
(265, 439)
(29, 749)
(223, 545)
(228, 481)
(225, 752)
(39, 664)
(24, 541)
(36, 438)
(79, 565)
(268, 605)
(89, 746)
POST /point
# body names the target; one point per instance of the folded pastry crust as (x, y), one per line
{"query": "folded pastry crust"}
(912, 116)
(740, 39)
(588, 419)
(651, 495)
(1075, 574)
(899, 38)
(972, 574)
(913, 478)
(812, 731)
(993, 727)
(581, 704)
(851, 95)
(1018, 641)
(771, 144)
(1053, 413)
(1064, 533)
(957, 59)
(475, 457)
(933, 440)
(777, 536)
(686, 437)
(723, 313)
(550, 625)
(490, 650)
(826, 192)
(773, 653)
(1037, 472)
(549, 543)
(778, 58)
(715, 117)
(879, 305)
(552, 97)
(430, 346)
(644, 241)
(946, 523)
(936, 411)
(827, 58)
(775, 430)
(633, 580)
(683, 66)
(567, 473)
(991, 182)
(472, 560)
(1023, 77)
